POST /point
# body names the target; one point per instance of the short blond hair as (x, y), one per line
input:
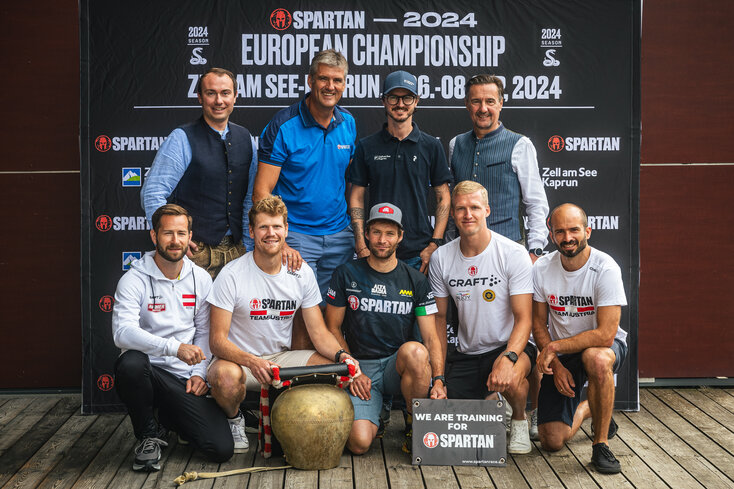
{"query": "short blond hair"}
(469, 187)
(272, 205)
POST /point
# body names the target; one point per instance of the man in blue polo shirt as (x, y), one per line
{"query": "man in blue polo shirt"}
(303, 157)
(399, 163)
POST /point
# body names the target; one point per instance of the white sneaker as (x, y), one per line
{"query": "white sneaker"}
(533, 429)
(237, 425)
(519, 438)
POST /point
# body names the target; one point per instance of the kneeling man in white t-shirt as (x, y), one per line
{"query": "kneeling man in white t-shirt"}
(253, 301)
(577, 305)
(489, 277)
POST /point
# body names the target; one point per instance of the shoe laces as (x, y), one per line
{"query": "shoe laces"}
(149, 445)
(606, 452)
(237, 428)
(516, 433)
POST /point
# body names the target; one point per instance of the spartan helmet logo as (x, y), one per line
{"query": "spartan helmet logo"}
(553, 300)
(105, 303)
(103, 143)
(353, 302)
(280, 19)
(103, 223)
(556, 144)
(105, 382)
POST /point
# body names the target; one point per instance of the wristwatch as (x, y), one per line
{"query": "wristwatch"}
(511, 355)
(439, 377)
(536, 251)
(438, 241)
(339, 354)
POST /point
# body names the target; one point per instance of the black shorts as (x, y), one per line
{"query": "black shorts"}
(466, 375)
(554, 406)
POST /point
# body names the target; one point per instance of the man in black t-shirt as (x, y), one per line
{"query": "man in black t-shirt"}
(371, 306)
(400, 164)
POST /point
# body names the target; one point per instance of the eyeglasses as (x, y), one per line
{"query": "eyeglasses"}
(407, 99)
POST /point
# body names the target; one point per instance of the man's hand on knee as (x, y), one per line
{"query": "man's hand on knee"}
(501, 377)
(196, 386)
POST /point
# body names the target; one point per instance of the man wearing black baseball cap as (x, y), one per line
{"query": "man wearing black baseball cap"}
(371, 305)
(398, 164)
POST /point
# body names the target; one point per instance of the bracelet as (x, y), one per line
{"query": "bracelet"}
(338, 354)
(439, 377)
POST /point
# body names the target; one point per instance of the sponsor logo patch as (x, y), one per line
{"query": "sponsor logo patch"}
(488, 295)
(131, 177)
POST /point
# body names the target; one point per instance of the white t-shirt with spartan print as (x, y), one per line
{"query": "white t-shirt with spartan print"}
(573, 298)
(263, 305)
(481, 287)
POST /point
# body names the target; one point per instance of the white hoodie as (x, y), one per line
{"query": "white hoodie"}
(154, 314)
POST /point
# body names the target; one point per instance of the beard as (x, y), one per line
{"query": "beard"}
(168, 256)
(580, 246)
(382, 254)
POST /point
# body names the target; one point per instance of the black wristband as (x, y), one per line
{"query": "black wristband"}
(338, 354)
(439, 377)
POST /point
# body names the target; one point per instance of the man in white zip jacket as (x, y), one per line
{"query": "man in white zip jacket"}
(161, 324)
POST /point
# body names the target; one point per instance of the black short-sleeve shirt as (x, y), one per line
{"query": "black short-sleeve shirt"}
(380, 307)
(401, 172)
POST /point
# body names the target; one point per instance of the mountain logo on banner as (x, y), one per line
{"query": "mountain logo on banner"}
(280, 19)
(128, 257)
(131, 177)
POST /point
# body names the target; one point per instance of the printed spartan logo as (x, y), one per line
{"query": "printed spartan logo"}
(552, 299)
(430, 440)
(353, 302)
(280, 19)
(556, 144)
(473, 271)
(103, 143)
(106, 302)
(105, 382)
(103, 223)
(254, 304)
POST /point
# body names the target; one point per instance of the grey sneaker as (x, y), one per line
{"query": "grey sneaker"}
(508, 411)
(533, 428)
(237, 425)
(148, 455)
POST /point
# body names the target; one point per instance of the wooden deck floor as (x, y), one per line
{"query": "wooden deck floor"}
(681, 438)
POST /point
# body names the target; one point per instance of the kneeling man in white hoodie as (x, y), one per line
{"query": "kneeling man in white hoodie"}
(161, 324)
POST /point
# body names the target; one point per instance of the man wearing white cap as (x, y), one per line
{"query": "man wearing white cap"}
(399, 164)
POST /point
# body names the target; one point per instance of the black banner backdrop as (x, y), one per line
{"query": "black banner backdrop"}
(572, 78)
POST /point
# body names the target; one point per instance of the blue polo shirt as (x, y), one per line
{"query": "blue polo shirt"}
(313, 162)
(401, 172)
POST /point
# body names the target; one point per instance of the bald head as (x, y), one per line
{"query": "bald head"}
(568, 211)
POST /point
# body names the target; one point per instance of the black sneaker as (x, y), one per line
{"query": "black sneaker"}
(408, 443)
(604, 460)
(148, 455)
(612, 429)
(252, 420)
